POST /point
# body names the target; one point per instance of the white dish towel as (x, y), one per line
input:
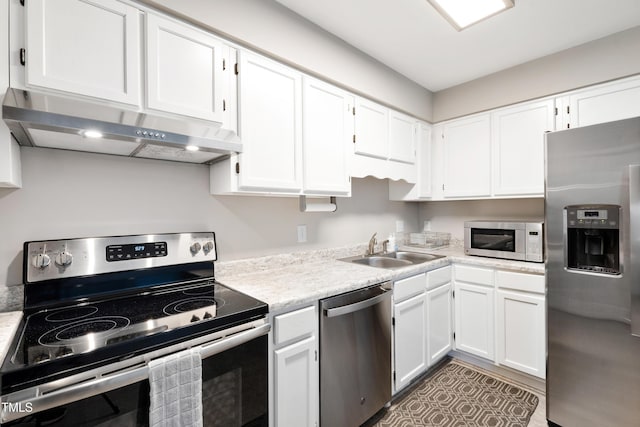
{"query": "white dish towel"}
(176, 390)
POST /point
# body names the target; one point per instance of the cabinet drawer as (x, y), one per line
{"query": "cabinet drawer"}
(520, 281)
(438, 277)
(477, 275)
(406, 288)
(296, 324)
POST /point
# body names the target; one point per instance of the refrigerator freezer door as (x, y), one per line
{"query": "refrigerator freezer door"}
(593, 360)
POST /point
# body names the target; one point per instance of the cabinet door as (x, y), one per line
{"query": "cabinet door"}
(521, 332)
(410, 339)
(518, 147)
(184, 70)
(467, 157)
(402, 133)
(327, 132)
(425, 170)
(296, 384)
(439, 323)
(86, 47)
(371, 129)
(10, 173)
(474, 323)
(614, 101)
(270, 125)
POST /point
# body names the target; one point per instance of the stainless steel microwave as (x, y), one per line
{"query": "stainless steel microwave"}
(521, 241)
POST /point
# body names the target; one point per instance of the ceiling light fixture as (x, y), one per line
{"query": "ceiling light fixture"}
(464, 13)
(93, 134)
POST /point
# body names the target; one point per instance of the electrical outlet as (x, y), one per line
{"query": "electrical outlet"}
(427, 226)
(399, 226)
(302, 233)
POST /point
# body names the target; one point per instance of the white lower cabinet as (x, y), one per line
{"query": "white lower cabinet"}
(474, 311)
(423, 329)
(521, 322)
(410, 339)
(295, 388)
(439, 319)
(410, 329)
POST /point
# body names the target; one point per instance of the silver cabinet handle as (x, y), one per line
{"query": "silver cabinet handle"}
(351, 308)
(634, 237)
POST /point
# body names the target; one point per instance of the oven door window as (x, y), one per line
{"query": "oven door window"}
(234, 393)
(493, 239)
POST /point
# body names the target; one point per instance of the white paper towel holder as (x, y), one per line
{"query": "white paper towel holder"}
(332, 206)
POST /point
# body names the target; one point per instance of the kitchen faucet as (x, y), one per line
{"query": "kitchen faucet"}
(372, 245)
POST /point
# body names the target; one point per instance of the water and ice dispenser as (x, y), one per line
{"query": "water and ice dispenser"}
(593, 238)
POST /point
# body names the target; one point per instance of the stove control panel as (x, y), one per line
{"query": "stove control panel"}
(56, 259)
(135, 251)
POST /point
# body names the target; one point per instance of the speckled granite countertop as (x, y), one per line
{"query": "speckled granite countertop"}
(285, 281)
(289, 280)
(8, 325)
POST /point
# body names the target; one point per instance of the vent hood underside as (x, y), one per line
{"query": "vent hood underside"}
(44, 120)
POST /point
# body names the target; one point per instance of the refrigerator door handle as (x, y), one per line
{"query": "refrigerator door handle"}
(634, 237)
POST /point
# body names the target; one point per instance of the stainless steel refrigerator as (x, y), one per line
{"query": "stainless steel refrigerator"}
(592, 238)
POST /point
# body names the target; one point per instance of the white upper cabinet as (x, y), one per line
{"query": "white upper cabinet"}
(402, 130)
(86, 47)
(604, 103)
(467, 157)
(371, 129)
(270, 125)
(518, 147)
(10, 172)
(185, 68)
(327, 132)
(422, 189)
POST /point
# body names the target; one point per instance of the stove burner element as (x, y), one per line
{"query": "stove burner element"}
(84, 331)
(189, 304)
(67, 314)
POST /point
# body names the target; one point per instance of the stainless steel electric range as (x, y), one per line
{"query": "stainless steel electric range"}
(98, 310)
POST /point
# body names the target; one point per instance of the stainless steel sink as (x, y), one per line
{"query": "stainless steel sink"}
(414, 257)
(382, 262)
(391, 260)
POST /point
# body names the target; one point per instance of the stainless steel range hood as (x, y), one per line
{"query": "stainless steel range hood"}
(53, 121)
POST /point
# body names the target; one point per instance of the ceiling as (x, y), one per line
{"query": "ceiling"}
(410, 37)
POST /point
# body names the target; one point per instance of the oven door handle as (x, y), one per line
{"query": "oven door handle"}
(122, 379)
(235, 340)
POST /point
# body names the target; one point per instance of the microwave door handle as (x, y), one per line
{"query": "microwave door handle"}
(634, 241)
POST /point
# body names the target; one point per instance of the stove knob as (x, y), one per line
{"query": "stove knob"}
(208, 247)
(194, 318)
(64, 259)
(41, 261)
(195, 248)
(207, 315)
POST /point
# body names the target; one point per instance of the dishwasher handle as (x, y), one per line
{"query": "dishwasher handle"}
(357, 306)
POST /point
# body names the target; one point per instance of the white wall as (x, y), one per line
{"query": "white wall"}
(71, 194)
(449, 216)
(269, 27)
(609, 58)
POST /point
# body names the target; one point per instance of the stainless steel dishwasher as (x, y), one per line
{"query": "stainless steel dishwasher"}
(355, 355)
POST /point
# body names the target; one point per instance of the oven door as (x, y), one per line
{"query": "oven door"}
(234, 391)
(495, 240)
